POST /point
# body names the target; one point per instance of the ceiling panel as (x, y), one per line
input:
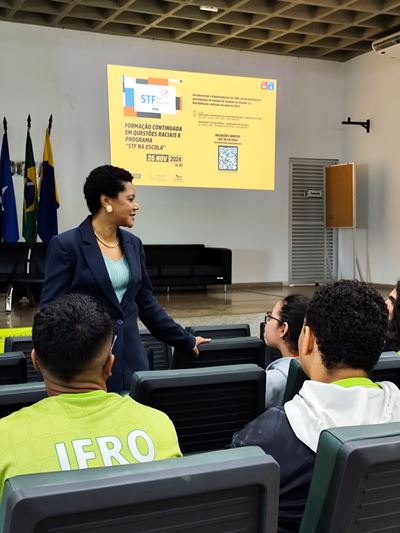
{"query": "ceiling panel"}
(325, 29)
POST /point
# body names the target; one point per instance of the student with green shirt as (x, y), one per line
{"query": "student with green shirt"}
(340, 343)
(80, 425)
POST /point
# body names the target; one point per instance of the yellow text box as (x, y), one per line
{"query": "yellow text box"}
(186, 129)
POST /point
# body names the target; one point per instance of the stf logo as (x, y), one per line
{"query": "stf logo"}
(147, 99)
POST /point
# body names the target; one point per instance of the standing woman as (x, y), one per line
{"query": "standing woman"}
(99, 259)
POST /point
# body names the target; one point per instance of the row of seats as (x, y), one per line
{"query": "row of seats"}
(231, 344)
(230, 331)
(223, 491)
(219, 352)
(344, 457)
(22, 270)
(17, 366)
(354, 489)
(206, 405)
(165, 358)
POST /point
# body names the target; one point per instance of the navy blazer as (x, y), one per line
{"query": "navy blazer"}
(74, 264)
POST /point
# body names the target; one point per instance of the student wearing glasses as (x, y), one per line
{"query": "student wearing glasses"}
(392, 342)
(282, 329)
(339, 344)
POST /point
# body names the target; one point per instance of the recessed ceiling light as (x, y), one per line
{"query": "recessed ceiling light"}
(213, 9)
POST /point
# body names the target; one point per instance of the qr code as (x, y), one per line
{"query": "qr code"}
(227, 157)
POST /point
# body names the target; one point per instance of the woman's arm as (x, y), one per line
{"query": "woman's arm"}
(154, 317)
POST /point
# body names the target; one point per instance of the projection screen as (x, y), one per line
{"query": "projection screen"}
(189, 129)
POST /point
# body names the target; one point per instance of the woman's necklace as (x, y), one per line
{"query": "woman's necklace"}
(105, 244)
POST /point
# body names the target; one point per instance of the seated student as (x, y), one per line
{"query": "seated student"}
(282, 330)
(392, 342)
(341, 341)
(80, 425)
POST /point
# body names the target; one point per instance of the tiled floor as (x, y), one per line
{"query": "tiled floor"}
(233, 302)
(237, 305)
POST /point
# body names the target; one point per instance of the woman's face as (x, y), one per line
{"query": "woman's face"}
(390, 302)
(274, 327)
(125, 206)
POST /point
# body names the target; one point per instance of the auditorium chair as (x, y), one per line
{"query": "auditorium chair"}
(35, 277)
(18, 344)
(162, 353)
(220, 332)
(207, 405)
(228, 490)
(24, 345)
(13, 261)
(240, 350)
(22, 270)
(386, 369)
(296, 378)
(12, 368)
(356, 480)
(14, 397)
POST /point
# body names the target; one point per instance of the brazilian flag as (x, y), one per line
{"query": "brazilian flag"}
(29, 230)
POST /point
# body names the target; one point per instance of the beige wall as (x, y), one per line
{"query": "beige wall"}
(45, 70)
(372, 91)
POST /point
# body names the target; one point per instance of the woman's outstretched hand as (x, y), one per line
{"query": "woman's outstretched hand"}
(199, 340)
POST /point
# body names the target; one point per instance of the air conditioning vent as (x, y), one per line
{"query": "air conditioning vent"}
(388, 46)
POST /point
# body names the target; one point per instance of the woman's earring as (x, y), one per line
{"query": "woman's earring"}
(109, 208)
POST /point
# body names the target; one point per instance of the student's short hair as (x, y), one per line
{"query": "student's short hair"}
(292, 312)
(108, 180)
(349, 320)
(69, 333)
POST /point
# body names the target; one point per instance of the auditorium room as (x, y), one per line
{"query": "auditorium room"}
(198, 266)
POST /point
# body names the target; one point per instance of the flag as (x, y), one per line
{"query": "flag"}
(29, 230)
(8, 210)
(48, 194)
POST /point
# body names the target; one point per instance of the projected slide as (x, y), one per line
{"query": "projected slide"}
(185, 129)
